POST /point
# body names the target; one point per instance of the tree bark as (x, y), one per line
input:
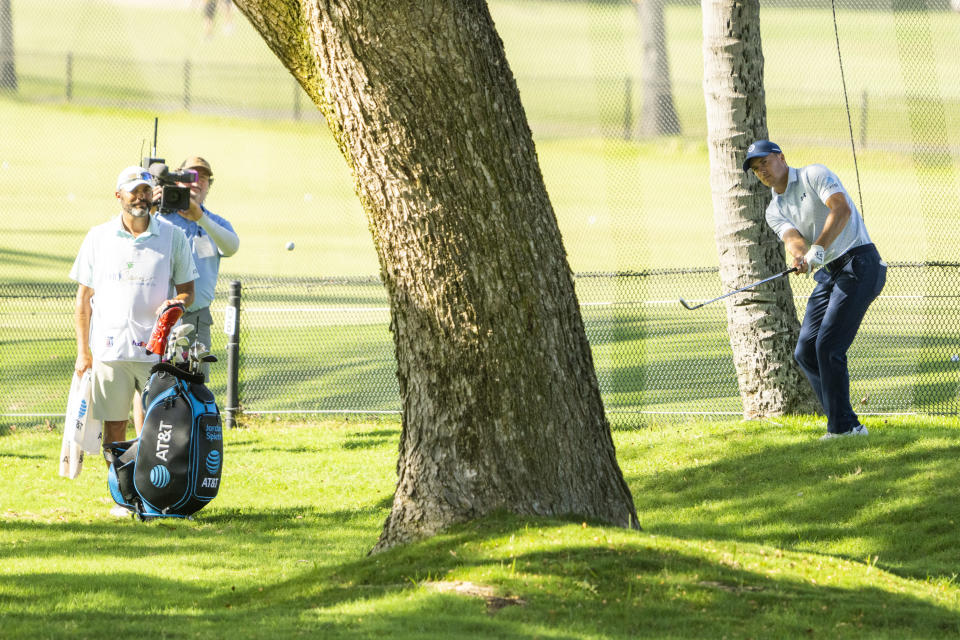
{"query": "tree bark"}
(658, 115)
(762, 322)
(500, 401)
(8, 68)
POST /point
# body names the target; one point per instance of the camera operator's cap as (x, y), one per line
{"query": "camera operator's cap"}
(759, 149)
(196, 162)
(132, 177)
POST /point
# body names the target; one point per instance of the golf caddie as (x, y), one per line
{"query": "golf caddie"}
(124, 272)
(821, 229)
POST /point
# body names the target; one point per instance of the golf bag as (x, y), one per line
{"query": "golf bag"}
(173, 468)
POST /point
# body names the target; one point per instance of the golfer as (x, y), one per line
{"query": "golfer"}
(820, 227)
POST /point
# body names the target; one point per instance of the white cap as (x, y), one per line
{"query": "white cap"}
(132, 177)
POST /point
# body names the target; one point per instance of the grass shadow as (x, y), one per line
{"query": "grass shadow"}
(890, 494)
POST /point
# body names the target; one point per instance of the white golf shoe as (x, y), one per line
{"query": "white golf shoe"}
(858, 430)
(119, 511)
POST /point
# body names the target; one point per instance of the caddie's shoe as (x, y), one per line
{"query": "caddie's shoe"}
(858, 430)
(119, 511)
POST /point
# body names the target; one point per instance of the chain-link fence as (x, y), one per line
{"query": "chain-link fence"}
(324, 346)
(80, 82)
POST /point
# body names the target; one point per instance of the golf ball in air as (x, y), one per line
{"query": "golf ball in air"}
(954, 358)
(290, 246)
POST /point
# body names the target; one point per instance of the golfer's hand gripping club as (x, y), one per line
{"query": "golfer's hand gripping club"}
(813, 259)
(687, 305)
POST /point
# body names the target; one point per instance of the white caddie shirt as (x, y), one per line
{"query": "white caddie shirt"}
(803, 207)
(131, 279)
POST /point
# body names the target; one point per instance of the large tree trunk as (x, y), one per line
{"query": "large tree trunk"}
(501, 407)
(8, 69)
(762, 322)
(658, 115)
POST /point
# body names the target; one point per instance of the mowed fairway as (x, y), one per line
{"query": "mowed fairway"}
(621, 206)
(649, 352)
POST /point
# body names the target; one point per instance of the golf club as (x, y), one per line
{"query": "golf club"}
(200, 353)
(177, 350)
(177, 337)
(182, 344)
(181, 330)
(749, 286)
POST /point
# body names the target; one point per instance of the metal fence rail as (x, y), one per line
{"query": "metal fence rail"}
(606, 105)
(324, 346)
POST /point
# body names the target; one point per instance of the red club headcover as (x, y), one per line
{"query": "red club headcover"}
(161, 330)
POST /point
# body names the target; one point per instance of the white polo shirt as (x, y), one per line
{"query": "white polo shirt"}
(130, 278)
(802, 207)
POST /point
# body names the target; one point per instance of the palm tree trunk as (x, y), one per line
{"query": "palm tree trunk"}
(658, 116)
(762, 323)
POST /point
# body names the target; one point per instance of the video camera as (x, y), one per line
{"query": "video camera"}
(173, 197)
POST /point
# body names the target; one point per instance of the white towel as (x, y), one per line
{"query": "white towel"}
(80, 431)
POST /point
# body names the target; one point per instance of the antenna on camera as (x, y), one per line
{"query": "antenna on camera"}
(147, 161)
(174, 196)
(156, 121)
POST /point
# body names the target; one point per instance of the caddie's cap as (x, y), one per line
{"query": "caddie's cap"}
(132, 177)
(196, 162)
(759, 149)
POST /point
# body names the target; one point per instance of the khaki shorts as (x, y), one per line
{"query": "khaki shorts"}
(113, 387)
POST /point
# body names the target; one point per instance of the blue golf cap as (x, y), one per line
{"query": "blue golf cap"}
(759, 149)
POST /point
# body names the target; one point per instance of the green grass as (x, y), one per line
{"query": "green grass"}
(750, 530)
(620, 205)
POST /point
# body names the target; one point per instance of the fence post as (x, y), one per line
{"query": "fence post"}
(186, 85)
(231, 326)
(628, 109)
(69, 76)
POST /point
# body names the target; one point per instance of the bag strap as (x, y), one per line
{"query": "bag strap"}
(126, 456)
(177, 372)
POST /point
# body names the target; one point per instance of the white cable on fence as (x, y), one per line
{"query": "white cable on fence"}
(601, 303)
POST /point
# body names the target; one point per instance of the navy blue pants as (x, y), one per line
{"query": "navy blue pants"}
(845, 288)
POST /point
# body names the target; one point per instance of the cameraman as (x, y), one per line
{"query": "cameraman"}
(211, 237)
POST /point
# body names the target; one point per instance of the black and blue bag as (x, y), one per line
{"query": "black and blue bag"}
(173, 468)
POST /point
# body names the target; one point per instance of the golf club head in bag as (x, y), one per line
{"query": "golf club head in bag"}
(181, 331)
(177, 344)
(200, 355)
